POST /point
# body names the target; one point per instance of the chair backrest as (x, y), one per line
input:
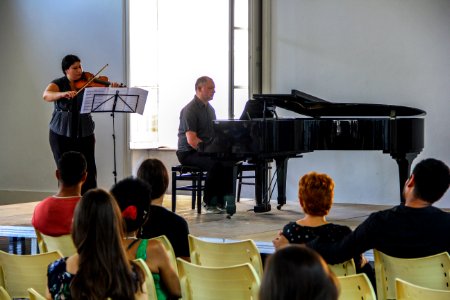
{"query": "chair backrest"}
(26, 271)
(430, 271)
(211, 254)
(408, 291)
(205, 283)
(4, 294)
(149, 283)
(344, 269)
(356, 286)
(40, 242)
(169, 249)
(63, 243)
(34, 295)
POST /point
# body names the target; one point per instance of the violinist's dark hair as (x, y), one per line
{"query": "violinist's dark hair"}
(154, 172)
(103, 268)
(299, 273)
(133, 197)
(67, 61)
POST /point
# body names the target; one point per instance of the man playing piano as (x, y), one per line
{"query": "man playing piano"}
(195, 130)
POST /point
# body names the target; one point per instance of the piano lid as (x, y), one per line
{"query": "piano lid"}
(312, 106)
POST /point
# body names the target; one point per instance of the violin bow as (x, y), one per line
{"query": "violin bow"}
(90, 80)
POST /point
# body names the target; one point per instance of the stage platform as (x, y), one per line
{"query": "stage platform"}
(15, 222)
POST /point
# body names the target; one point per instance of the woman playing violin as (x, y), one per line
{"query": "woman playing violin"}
(70, 130)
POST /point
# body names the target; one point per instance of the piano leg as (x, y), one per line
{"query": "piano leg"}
(281, 172)
(404, 161)
(261, 187)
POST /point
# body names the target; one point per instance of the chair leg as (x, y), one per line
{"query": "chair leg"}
(194, 192)
(238, 194)
(174, 190)
(199, 194)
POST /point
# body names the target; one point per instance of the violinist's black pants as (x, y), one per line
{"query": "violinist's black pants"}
(84, 145)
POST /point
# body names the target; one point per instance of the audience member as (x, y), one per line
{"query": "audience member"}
(298, 273)
(53, 215)
(162, 221)
(132, 195)
(100, 268)
(315, 194)
(410, 230)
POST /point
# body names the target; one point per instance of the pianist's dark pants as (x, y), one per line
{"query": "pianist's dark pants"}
(219, 178)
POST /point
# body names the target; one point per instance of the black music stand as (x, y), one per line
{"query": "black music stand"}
(122, 100)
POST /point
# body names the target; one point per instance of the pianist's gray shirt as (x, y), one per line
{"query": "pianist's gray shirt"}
(197, 117)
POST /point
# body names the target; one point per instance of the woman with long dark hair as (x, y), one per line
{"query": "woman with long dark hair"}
(100, 269)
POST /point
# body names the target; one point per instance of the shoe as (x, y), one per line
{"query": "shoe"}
(213, 210)
(204, 204)
(221, 208)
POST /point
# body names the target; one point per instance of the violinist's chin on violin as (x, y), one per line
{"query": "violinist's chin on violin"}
(88, 79)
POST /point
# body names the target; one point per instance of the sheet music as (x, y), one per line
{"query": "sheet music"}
(101, 99)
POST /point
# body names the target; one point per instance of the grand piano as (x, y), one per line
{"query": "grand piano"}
(261, 136)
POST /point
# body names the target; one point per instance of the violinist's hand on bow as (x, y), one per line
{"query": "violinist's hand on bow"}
(116, 84)
(68, 94)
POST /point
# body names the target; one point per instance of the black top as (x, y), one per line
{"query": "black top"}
(298, 234)
(164, 222)
(66, 118)
(400, 232)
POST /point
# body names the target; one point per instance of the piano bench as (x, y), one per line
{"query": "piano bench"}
(244, 167)
(196, 177)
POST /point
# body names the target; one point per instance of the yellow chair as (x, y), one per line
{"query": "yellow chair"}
(217, 283)
(356, 286)
(63, 243)
(24, 271)
(213, 254)
(4, 294)
(430, 271)
(344, 269)
(149, 283)
(34, 295)
(408, 291)
(169, 249)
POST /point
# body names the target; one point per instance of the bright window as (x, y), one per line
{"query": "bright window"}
(171, 44)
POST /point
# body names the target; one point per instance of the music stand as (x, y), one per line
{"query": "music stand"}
(122, 100)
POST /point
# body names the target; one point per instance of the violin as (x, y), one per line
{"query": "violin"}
(90, 80)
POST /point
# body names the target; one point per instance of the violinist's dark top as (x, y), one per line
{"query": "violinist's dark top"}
(66, 118)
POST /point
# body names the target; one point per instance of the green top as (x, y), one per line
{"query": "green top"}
(141, 252)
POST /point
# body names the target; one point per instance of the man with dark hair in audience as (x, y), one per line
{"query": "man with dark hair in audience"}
(53, 215)
(162, 221)
(413, 229)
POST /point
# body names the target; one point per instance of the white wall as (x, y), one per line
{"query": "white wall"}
(35, 36)
(375, 51)
(372, 51)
